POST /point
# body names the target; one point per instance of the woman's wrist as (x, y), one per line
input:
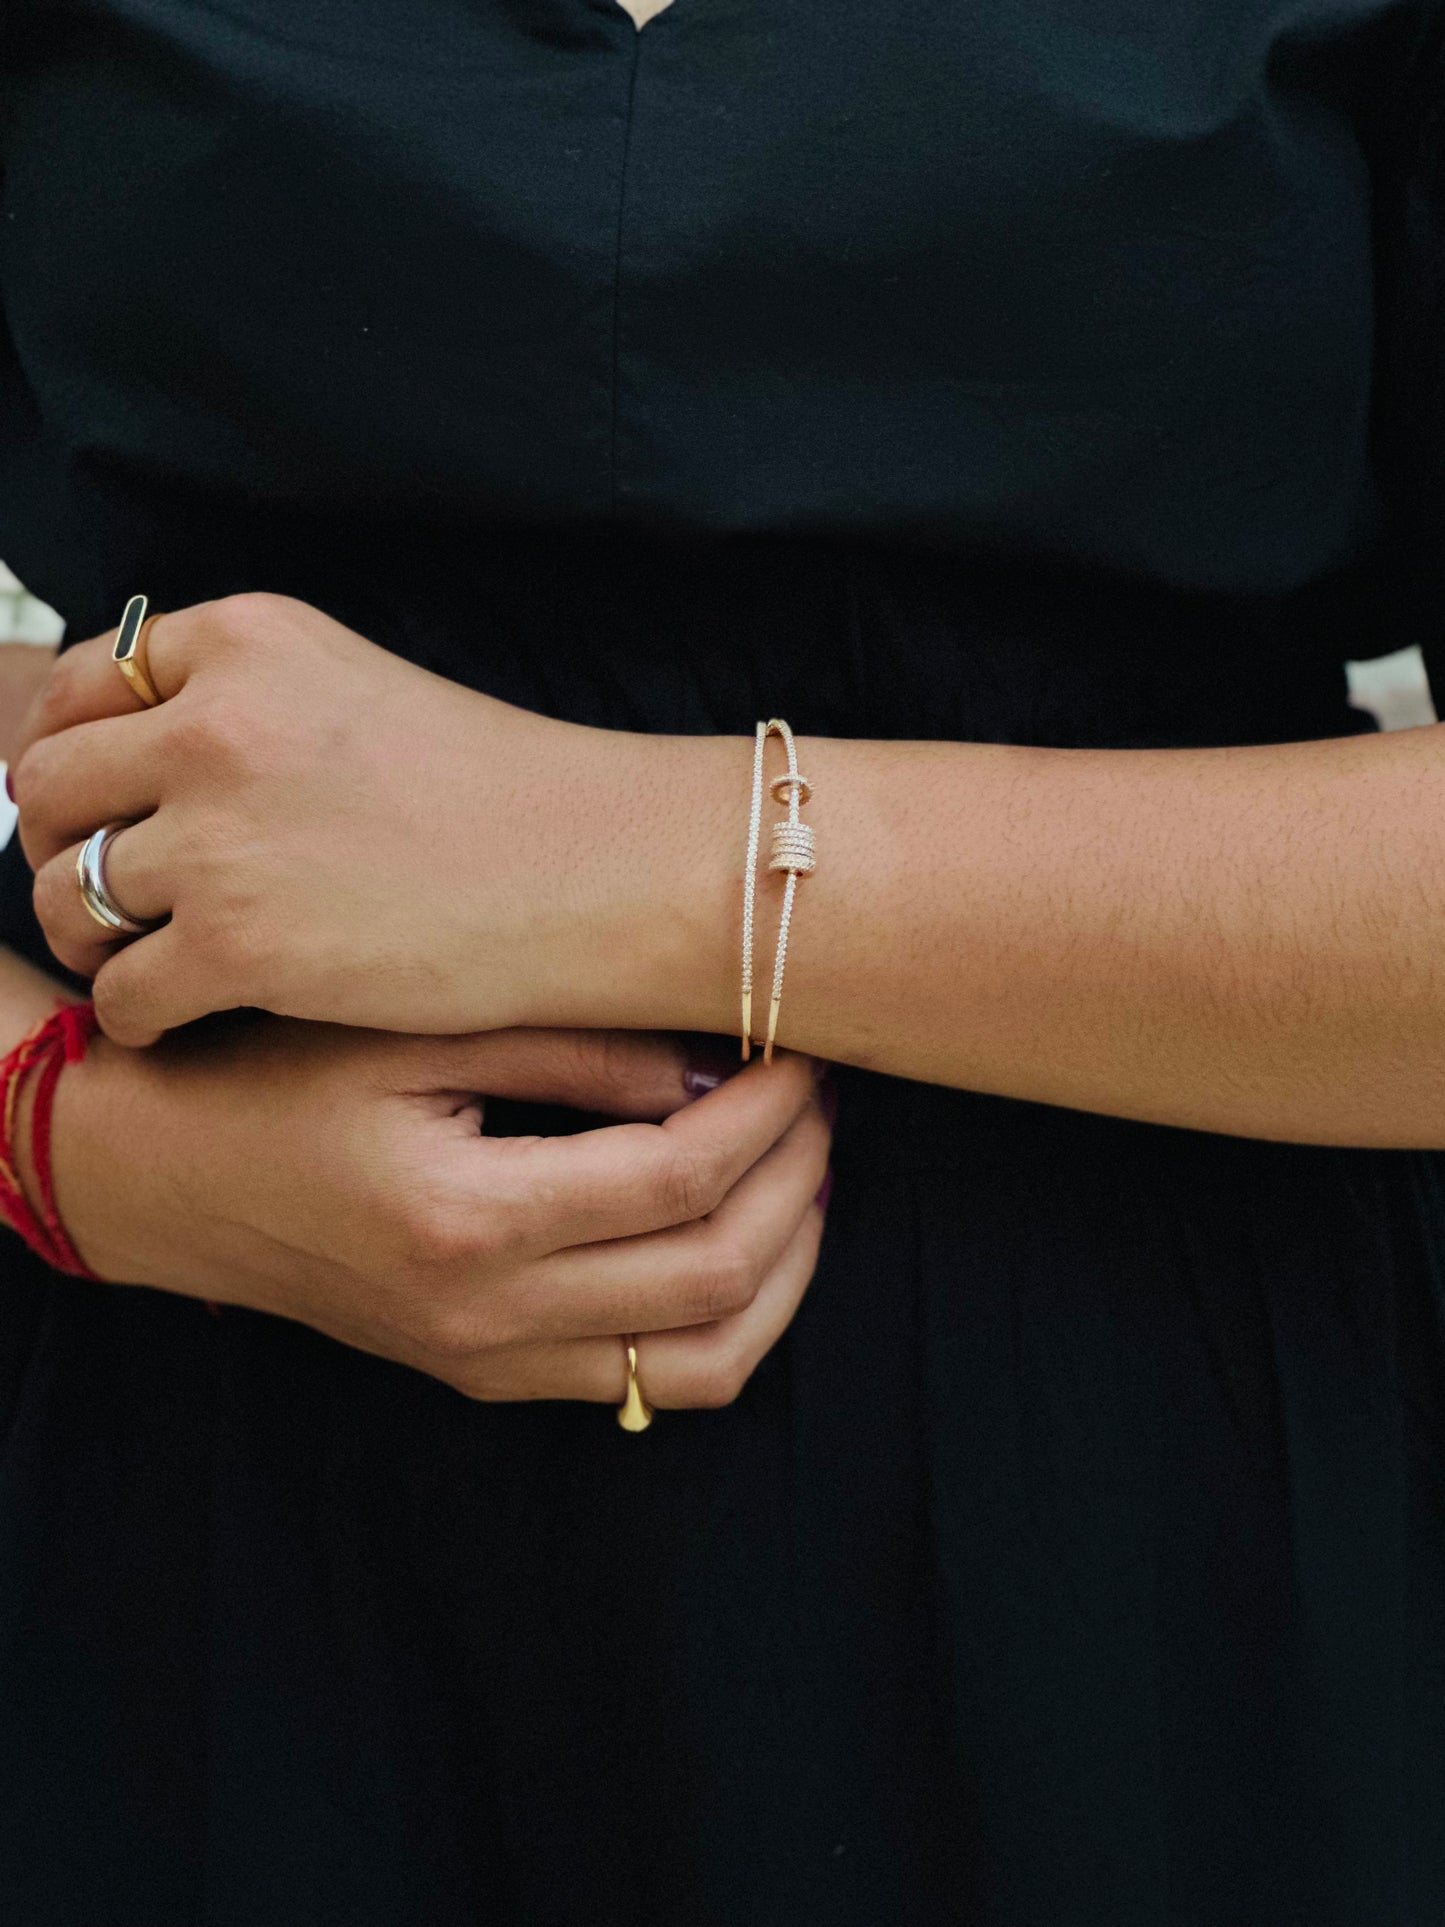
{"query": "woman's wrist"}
(687, 941)
(645, 839)
(689, 946)
(27, 999)
(664, 833)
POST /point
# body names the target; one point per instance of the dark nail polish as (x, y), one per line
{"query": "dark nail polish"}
(825, 1190)
(828, 1101)
(709, 1063)
(9, 787)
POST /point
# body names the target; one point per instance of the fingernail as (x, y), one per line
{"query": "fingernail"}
(825, 1190)
(828, 1101)
(709, 1063)
(9, 786)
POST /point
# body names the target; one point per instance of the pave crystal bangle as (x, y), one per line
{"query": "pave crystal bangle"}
(793, 852)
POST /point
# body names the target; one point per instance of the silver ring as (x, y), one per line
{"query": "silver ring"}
(90, 868)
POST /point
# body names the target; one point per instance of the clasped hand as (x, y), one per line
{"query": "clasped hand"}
(325, 830)
(340, 1177)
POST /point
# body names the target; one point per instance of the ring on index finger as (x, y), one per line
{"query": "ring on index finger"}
(130, 650)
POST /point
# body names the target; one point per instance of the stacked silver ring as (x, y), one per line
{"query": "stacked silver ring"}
(90, 868)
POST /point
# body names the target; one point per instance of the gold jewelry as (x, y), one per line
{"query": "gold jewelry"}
(794, 851)
(130, 650)
(634, 1414)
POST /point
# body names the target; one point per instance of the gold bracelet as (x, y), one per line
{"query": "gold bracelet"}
(794, 851)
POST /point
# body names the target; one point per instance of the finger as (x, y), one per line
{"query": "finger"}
(704, 1369)
(75, 938)
(135, 883)
(95, 773)
(707, 1366)
(688, 1274)
(630, 1178)
(84, 685)
(616, 1073)
(24, 667)
(149, 986)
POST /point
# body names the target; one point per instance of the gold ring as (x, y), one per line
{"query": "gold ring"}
(130, 650)
(634, 1414)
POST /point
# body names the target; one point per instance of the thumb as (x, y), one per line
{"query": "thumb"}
(636, 1075)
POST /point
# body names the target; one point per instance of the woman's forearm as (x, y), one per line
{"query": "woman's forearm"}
(1246, 940)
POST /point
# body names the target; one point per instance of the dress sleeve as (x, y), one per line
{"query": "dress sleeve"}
(1408, 143)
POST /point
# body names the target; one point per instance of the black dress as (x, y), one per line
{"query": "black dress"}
(1056, 373)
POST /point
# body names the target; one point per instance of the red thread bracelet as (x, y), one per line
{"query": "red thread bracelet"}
(60, 1040)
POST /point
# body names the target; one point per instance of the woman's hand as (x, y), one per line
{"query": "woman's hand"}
(332, 832)
(24, 668)
(339, 1178)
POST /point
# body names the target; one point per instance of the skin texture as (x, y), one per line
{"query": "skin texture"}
(643, 10)
(339, 1178)
(238, 794)
(1242, 940)
(23, 670)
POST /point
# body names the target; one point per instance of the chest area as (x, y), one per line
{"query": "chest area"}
(550, 132)
(450, 243)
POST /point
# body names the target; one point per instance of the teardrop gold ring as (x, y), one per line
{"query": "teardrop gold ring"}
(634, 1414)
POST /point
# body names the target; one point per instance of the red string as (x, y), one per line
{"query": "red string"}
(60, 1040)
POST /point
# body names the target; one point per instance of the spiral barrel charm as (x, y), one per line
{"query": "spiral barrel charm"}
(794, 848)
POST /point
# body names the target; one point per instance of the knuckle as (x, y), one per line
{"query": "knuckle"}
(437, 1237)
(33, 774)
(446, 1238)
(239, 616)
(590, 1070)
(723, 1286)
(119, 1004)
(715, 1382)
(611, 1067)
(690, 1182)
(213, 735)
(49, 895)
(573, 1062)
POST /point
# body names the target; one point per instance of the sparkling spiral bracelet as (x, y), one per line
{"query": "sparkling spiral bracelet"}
(794, 852)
